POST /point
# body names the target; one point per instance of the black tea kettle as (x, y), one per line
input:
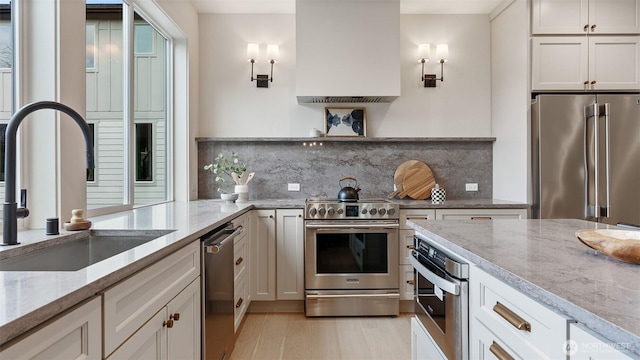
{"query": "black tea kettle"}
(348, 193)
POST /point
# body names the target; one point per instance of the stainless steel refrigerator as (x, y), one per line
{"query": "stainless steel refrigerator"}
(586, 157)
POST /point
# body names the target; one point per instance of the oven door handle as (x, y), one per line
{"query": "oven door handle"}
(445, 285)
(321, 227)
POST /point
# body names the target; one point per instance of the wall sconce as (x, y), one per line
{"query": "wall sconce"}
(424, 53)
(262, 81)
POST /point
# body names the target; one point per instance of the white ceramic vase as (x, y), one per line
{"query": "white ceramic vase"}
(243, 192)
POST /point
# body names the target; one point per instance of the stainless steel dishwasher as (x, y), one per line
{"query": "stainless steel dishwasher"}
(217, 292)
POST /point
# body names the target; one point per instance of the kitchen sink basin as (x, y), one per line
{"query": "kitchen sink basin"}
(77, 253)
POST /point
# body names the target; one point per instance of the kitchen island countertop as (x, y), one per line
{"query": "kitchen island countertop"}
(544, 260)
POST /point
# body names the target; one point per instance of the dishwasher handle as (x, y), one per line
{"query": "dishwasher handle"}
(217, 244)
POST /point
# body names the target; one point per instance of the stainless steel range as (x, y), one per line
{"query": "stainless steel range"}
(351, 258)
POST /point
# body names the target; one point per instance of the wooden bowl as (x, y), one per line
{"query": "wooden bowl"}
(623, 245)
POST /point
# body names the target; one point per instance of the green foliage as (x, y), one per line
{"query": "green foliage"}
(223, 166)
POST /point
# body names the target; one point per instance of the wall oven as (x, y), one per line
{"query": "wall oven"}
(351, 259)
(442, 297)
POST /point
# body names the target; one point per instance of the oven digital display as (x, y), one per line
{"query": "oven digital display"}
(351, 211)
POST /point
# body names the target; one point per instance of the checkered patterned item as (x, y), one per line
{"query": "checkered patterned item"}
(438, 195)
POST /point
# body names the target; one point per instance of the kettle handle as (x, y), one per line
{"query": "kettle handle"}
(348, 178)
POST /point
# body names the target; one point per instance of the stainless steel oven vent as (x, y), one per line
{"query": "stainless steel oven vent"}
(344, 99)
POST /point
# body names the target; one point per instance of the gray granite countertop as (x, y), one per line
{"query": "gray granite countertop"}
(30, 298)
(544, 260)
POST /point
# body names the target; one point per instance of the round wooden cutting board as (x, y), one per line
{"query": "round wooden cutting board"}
(417, 182)
(398, 176)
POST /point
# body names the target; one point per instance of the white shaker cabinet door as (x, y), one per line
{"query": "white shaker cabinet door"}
(290, 254)
(579, 17)
(559, 63)
(263, 255)
(614, 62)
(614, 17)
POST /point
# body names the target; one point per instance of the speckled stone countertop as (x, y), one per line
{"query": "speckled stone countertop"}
(30, 298)
(544, 260)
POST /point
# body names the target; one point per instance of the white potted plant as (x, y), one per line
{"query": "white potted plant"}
(233, 168)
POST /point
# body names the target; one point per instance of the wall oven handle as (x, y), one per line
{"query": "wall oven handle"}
(448, 286)
(321, 227)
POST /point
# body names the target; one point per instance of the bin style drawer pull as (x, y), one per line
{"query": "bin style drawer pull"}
(513, 318)
(239, 303)
(481, 218)
(239, 261)
(499, 352)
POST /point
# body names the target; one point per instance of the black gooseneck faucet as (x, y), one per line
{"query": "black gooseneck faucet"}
(11, 211)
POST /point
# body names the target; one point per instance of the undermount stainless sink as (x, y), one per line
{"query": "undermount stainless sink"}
(80, 252)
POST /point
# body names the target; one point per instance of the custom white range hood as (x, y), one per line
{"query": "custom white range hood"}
(347, 51)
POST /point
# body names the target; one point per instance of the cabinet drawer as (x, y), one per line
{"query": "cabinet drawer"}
(240, 252)
(405, 245)
(417, 214)
(484, 344)
(407, 282)
(587, 345)
(130, 303)
(241, 294)
(490, 297)
(245, 223)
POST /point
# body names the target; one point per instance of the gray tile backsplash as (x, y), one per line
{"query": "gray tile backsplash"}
(319, 168)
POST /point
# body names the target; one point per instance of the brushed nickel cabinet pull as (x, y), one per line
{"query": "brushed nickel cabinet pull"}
(410, 247)
(513, 318)
(239, 261)
(239, 303)
(481, 218)
(499, 352)
(411, 282)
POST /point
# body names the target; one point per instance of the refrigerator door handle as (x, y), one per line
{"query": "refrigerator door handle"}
(592, 209)
(604, 211)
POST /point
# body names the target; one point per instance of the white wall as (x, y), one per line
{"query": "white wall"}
(510, 101)
(232, 106)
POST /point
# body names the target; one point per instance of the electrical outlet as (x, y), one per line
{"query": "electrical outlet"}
(293, 186)
(471, 187)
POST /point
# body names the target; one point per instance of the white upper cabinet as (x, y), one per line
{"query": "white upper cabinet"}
(585, 62)
(573, 17)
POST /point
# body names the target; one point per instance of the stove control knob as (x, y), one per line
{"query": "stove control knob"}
(382, 211)
(364, 211)
(322, 211)
(331, 211)
(373, 211)
(391, 211)
(340, 211)
(313, 211)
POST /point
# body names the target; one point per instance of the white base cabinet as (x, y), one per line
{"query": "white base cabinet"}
(480, 214)
(422, 346)
(76, 334)
(289, 254)
(134, 305)
(405, 245)
(263, 255)
(585, 344)
(241, 270)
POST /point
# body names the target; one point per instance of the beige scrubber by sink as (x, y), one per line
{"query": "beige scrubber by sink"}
(77, 222)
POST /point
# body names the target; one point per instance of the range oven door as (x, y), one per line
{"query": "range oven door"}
(347, 254)
(442, 306)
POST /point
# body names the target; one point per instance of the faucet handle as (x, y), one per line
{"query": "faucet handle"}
(22, 211)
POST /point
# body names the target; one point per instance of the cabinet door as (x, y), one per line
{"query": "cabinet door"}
(614, 17)
(263, 255)
(184, 337)
(560, 63)
(290, 254)
(149, 342)
(422, 346)
(585, 344)
(559, 17)
(75, 335)
(614, 62)
(415, 214)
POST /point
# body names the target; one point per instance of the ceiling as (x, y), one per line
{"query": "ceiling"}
(289, 6)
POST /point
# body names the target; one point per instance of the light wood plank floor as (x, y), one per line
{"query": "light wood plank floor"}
(294, 336)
